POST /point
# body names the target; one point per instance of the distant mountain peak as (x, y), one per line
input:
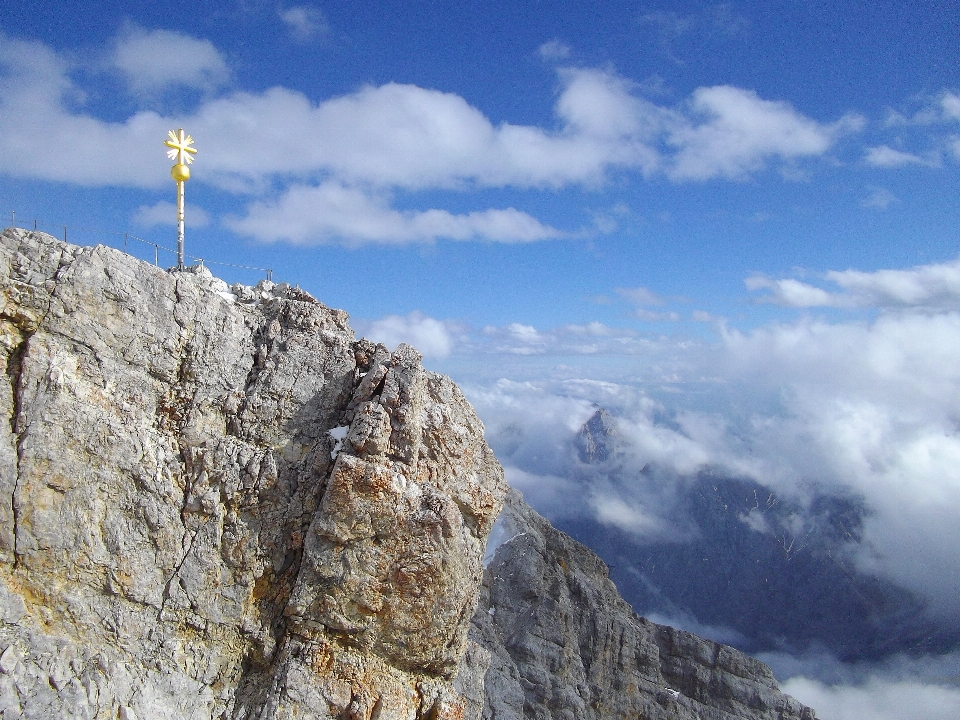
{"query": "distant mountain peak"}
(598, 439)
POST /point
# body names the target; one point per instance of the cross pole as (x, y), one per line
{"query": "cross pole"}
(180, 151)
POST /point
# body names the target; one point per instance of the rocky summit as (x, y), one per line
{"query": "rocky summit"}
(216, 502)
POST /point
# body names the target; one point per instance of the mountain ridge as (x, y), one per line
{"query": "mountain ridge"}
(216, 502)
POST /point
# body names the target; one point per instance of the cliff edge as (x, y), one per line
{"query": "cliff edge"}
(216, 502)
(220, 504)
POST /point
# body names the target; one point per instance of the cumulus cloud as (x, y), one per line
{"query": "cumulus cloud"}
(152, 61)
(392, 135)
(790, 292)
(550, 493)
(335, 164)
(896, 687)
(61, 145)
(870, 408)
(333, 212)
(304, 22)
(643, 298)
(630, 517)
(935, 110)
(433, 338)
(165, 213)
(928, 287)
(529, 425)
(733, 132)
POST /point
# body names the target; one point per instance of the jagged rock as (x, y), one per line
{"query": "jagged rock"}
(217, 503)
(564, 644)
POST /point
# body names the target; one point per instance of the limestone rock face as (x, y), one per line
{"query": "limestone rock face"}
(217, 503)
(560, 642)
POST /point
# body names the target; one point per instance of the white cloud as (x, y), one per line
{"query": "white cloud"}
(388, 136)
(790, 292)
(652, 316)
(944, 108)
(950, 105)
(682, 621)
(431, 337)
(304, 22)
(554, 50)
(528, 425)
(929, 287)
(593, 338)
(880, 198)
(738, 132)
(884, 156)
(152, 61)
(630, 517)
(335, 164)
(62, 146)
(333, 212)
(867, 409)
(641, 296)
(524, 333)
(897, 687)
(165, 213)
(877, 699)
(549, 492)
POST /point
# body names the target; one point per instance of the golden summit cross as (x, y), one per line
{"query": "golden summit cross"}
(181, 151)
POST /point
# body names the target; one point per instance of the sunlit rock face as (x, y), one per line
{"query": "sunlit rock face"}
(217, 503)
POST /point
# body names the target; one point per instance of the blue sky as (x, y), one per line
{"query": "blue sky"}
(733, 225)
(535, 157)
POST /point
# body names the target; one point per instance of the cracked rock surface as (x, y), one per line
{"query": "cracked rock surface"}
(217, 503)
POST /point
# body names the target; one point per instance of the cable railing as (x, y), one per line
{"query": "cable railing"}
(70, 231)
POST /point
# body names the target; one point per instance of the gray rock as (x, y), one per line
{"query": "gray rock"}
(176, 539)
(564, 644)
(598, 439)
(217, 503)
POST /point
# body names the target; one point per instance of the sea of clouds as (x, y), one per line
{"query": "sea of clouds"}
(863, 404)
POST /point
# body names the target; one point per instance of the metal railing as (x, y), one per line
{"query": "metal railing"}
(127, 239)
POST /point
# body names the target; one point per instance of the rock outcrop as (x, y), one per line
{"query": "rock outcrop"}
(216, 502)
(564, 645)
